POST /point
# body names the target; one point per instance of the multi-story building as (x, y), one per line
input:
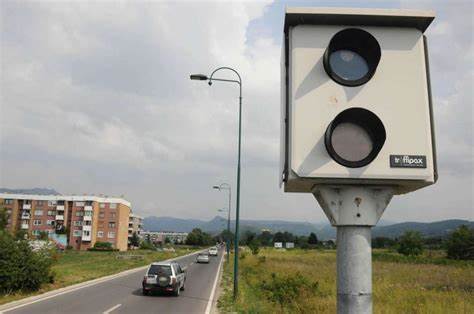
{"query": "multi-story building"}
(160, 237)
(81, 220)
(135, 225)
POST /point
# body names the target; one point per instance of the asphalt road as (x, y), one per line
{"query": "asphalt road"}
(124, 294)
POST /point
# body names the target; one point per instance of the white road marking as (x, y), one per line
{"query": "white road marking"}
(211, 298)
(112, 308)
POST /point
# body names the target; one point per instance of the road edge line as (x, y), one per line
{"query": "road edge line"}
(211, 298)
(53, 293)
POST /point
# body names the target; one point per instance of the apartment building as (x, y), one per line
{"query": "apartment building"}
(80, 221)
(135, 225)
(159, 237)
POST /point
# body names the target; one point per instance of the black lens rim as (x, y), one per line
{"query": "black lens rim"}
(369, 122)
(360, 42)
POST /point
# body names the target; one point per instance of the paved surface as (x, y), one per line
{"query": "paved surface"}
(124, 294)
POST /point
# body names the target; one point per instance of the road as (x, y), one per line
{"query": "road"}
(124, 294)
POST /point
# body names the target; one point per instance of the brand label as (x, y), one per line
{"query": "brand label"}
(407, 161)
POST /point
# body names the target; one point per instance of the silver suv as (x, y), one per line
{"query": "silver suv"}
(164, 277)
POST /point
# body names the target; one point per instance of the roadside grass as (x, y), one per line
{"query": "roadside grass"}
(74, 267)
(267, 284)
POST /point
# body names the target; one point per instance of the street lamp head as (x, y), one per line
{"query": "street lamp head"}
(198, 77)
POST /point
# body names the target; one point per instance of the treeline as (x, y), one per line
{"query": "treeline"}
(458, 245)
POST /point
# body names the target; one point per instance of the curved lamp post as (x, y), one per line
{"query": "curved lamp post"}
(210, 79)
(225, 186)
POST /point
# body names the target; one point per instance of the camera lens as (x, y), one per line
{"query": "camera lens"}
(348, 64)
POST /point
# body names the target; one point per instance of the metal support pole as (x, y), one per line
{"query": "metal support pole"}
(354, 269)
(228, 226)
(237, 211)
(353, 210)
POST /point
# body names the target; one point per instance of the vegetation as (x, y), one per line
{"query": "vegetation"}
(72, 267)
(21, 269)
(410, 243)
(304, 281)
(147, 245)
(135, 240)
(102, 246)
(198, 237)
(460, 244)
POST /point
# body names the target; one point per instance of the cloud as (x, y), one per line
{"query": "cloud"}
(96, 98)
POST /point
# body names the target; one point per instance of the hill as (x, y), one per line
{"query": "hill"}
(324, 231)
(34, 191)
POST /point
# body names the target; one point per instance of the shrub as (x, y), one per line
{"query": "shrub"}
(460, 244)
(410, 243)
(254, 246)
(146, 245)
(285, 289)
(102, 246)
(20, 267)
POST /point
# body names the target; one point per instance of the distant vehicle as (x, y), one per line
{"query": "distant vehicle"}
(164, 277)
(202, 258)
(213, 251)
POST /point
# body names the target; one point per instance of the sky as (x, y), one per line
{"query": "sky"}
(95, 98)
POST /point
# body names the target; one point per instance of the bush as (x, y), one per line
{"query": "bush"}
(145, 245)
(20, 267)
(285, 289)
(460, 244)
(410, 243)
(102, 246)
(254, 246)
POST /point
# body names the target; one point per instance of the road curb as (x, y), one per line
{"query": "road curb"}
(214, 309)
(50, 294)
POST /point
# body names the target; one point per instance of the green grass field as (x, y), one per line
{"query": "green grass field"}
(305, 282)
(72, 267)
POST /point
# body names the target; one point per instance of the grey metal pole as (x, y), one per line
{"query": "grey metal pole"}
(228, 226)
(237, 212)
(354, 270)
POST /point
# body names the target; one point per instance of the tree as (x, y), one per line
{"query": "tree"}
(382, 242)
(265, 238)
(460, 244)
(312, 239)
(410, 243)
(197, 237)
(135, 240)
(43, 235)
(248, 237)
(254, 246)
(278, 237)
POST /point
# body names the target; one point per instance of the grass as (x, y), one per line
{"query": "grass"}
(73, 267)
(427, 284)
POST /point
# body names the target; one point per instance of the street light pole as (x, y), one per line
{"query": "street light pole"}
(201, 77)
(225, 186)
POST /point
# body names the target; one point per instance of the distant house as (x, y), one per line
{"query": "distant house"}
(278, 245)
(289, 245)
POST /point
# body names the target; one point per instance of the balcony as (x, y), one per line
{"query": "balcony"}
(60, 207)
(87, 228)
(59, 217)
(88, 207)
(26, 206)
(87, 218)
(25, 216)
(86, 236)
(24, 226)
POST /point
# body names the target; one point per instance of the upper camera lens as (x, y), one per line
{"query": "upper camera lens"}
(348, 64)
(352, 57)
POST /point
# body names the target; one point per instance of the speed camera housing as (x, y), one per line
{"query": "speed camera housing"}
(356, 103)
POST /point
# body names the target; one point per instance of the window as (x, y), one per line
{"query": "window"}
(8, 202)
(111, 235)
(77, 233)
(160, 270)
(36, 222)
(52, 203)
(36, 232)
(50, 222)
(88, 213)
(101, 214)
(51, 212)
(112, 215)
(38, 212)
(86, 233)
(87, 223)
(79, 213)
(79, 204)
(111, 224)
(100, 234)
(112, 205)
(102, 205)
(77, 223)
(101, 224)
(39, 203)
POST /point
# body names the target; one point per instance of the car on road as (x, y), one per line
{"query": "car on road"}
(167, 277)
(202, 258)
(213, 251)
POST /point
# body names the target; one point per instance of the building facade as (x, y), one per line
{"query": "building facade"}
(159, 237)
(135, 225)
(80, 221)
